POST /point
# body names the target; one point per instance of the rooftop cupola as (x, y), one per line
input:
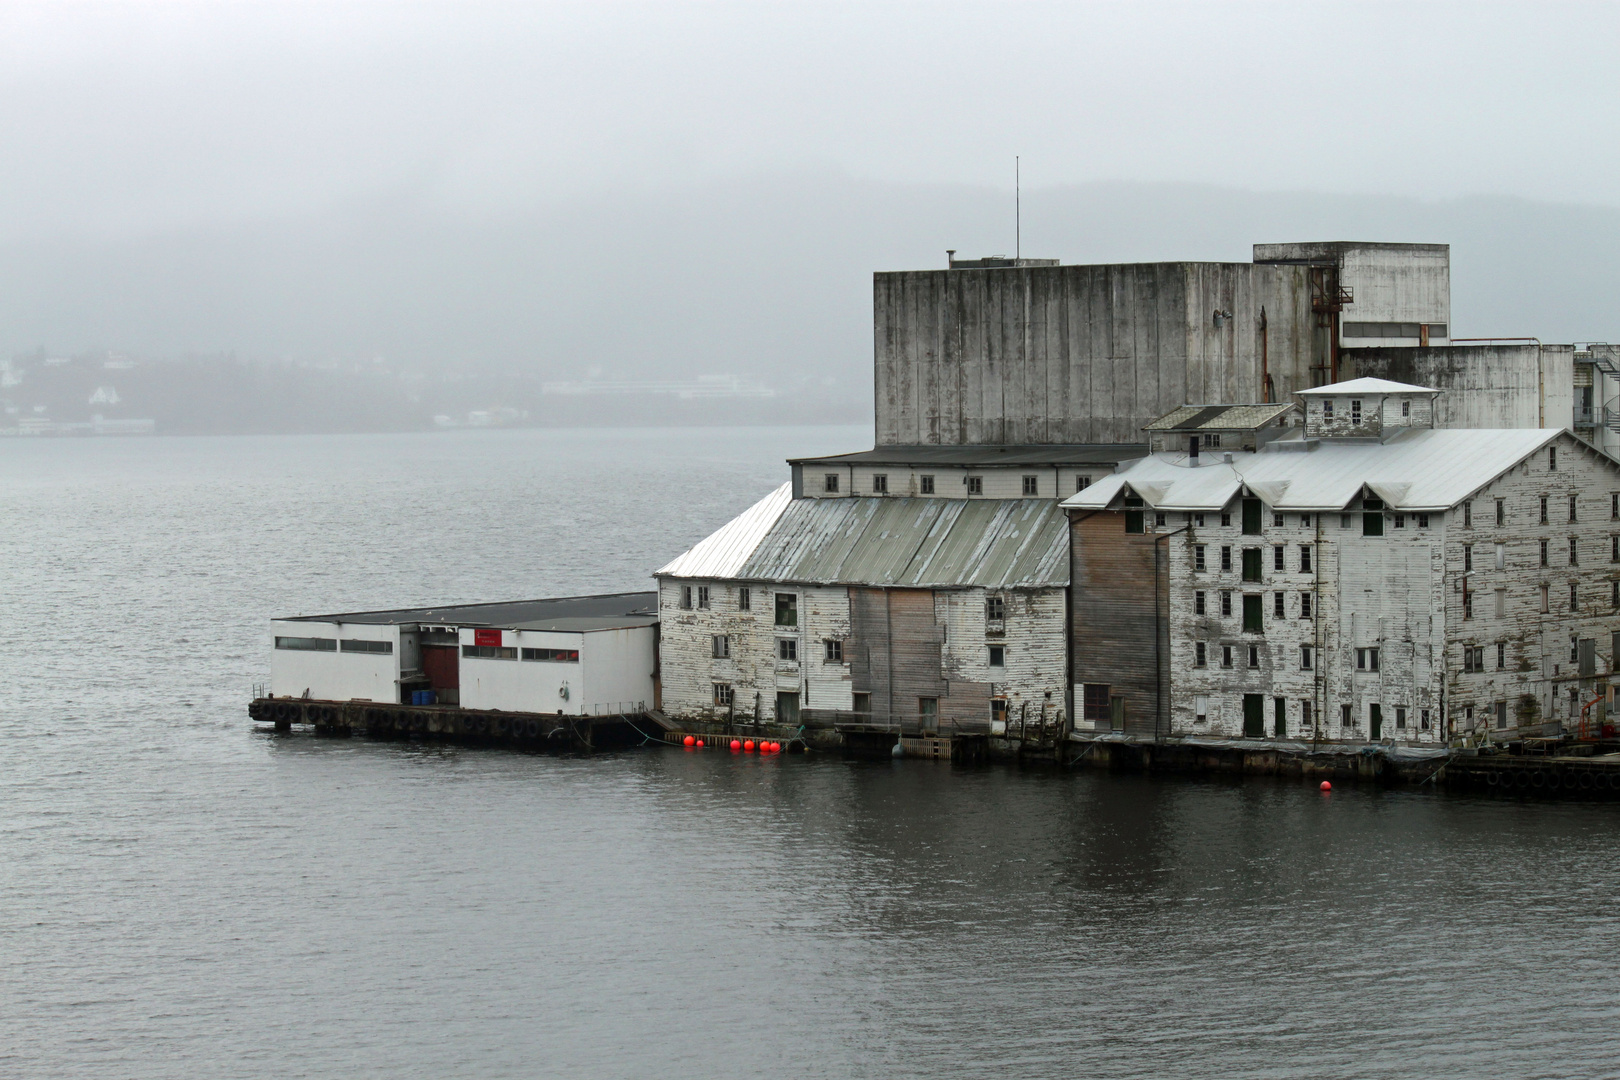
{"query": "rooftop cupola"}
(1366, 409)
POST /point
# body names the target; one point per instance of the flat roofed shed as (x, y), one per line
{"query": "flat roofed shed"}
(606, 611)
(985, 456)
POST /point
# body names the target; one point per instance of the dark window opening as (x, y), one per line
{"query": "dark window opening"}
(880, 483)
(1251, 517)
(571, 656)
(787, 609)
(1096, 702)
(307, 644)
(1253, 614)
(998, 656)
(1372, 517)
(1032, 485)
(357, 645)
(1133, 515)
(925, 484)
(831, 482)
(834, 651)
(1251, 564)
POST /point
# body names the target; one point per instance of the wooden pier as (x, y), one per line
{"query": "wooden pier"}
(534, 731)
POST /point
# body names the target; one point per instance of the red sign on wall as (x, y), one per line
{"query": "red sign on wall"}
(487, 637)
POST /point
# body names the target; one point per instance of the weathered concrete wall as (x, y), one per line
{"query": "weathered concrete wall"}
(1078, 354)
(1486, 386)
(1389, 283)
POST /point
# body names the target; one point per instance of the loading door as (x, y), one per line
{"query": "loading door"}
(442, 665)
(1254, 715)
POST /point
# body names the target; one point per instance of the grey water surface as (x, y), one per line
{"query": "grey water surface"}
(184, 896)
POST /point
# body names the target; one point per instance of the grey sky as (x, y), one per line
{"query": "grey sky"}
(131, 118)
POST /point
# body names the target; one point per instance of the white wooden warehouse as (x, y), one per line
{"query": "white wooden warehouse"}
(580, 655)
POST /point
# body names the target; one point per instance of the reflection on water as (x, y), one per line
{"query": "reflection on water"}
(184, 897)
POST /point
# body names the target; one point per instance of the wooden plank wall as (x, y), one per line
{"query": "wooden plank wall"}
(1117, 635)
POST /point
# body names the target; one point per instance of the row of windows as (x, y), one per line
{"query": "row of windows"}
(1203, 706)
(1500, 596)
(1279, 606)
(1355, 403)
(323, 644)
(787, 604)
(1252, 559)
(507, 652)
(1544, 516)
(925, 484)
(1473, 656)
(1573, 551)
(832, 650)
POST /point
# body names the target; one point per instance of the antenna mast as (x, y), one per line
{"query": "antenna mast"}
(1018, 210)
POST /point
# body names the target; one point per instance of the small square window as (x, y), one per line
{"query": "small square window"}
(830, 482)
(1277, 520)
(722, 646)
(723, 694)
(1032, 485)
(1226, 519)
(834, 650)
(880, 483)
(1081, 483)
(995, 608)
(1158, 521)
(787, 648)
(1304, 521)
(975, 485)
(925, 484)
(998, 656)
(1198, 521)
(1423, 521)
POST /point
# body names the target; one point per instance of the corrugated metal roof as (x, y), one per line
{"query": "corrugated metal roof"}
(1421, 469)
(722, 553)
(1221, 417)
(986, 455)
(601, 612)
(1368, 386)
(903, 542)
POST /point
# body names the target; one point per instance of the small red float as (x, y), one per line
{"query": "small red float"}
(735, 745)
(700, 744)
(776, 748)
(749, 746)
(1326, 786)
(690, 740)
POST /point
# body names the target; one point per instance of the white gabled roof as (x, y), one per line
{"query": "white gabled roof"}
(1367, 388)
(1423, 469)
(722, 553)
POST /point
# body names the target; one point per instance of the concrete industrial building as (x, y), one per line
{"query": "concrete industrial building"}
(574, 656)
(1365, 576)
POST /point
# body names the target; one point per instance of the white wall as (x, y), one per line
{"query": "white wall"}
(334, 676)
(617, 668)
(614, 667)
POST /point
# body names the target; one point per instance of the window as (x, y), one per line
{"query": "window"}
(975, 485)
(1614, 548)
(1544, 553)
(1304, 605)
(1304, 521)
(925, 484)
(1200, 708)
(880, 483)
(1468, 514)
(1501, 656)
(703, 596)
(720, 647)
(1226, 519)
(1355, 412)
(831, 482)
(1574, 551)
(1226, 558)
(1304, 558)
(1400, 718)
(307, 644)
(1366, 659)
(787, 609)
(998, 656)
(1468, 558)
(1277, 520)
(1133, 514)
(1251, 564)
(1304, 658)
(1226, 656)
(1346, 718)
(1372, 517)
(1327, 408)
(1501, 603)
(1198, 603)
(1501, 511)
(686, 597)
(1277, 556)
(1501, 714)
(1251, 517)
(745, 598)
(995, 608)
(1200, 655)
(1253, 614)
(1081, 483)
(1501, 556)
(1423, 521)
(1544, 509)
(1614, 506)
(1468, 600)
(1423, 719)
(834, 651)
(489, 652)
(1544, 599)
(787, 648)
(356, 645)
(1574, 604)
(1572, 509)
(1226, 605)
(863, 703)
(1198, 520)
(1279, 716)
(1096, 702)
(1279, 606)
(1552, 459)
(723, 695)
(1473, 658)
(1406, 409)
(1032, 485)
(569, 656)
(1254, 656)
(1305, 717)
(1200, 565)
(1212, 439)
(1400, 521)
(1614, 593)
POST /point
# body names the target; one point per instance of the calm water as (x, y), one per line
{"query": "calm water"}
(181, 896)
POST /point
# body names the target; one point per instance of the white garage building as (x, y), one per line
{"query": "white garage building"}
(580, 655)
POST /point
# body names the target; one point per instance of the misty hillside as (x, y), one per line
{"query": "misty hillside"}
(767, 280)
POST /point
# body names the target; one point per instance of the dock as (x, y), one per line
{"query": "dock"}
(524, 730)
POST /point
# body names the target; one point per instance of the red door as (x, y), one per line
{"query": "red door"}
(442, 665)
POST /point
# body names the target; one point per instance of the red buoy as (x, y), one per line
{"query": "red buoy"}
(700, 744)
(1326, 786)
(776, 748)
(735, 745)
(749, 746)
(690, 740)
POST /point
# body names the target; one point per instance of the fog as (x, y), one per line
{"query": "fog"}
(440, 207)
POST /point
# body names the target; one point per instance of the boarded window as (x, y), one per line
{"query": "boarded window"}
(1200, 708)
(787, 708)
(357, 645)
(863, 703)
(787, 609)
(1253, 614)
(1254, 716)
(1251, 564)
(1251, 517)
(1372, 517)
(307, 644)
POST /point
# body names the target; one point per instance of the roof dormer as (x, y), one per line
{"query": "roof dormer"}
(1366, 409)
